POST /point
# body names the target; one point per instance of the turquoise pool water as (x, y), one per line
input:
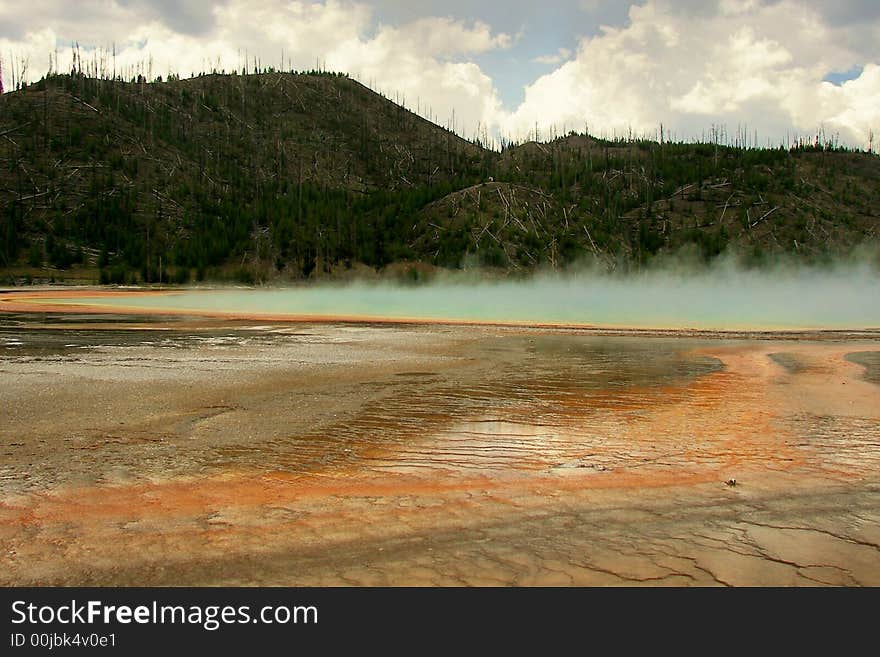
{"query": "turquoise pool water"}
(719, 300)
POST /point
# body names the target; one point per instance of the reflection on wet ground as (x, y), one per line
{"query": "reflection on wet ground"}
(870, 360)
(328, 454)
(533, 411)
(791, 362)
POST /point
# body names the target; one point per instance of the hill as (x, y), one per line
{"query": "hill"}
(280, 175)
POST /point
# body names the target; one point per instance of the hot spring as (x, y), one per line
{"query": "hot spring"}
(722, 299)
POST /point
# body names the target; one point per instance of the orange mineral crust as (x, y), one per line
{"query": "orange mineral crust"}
(420, 455)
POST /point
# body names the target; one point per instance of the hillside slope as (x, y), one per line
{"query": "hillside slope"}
(625, 204)
(281, 175)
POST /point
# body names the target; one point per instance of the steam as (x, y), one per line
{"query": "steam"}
(724, 297)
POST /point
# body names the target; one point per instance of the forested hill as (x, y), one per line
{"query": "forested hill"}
(284, 176)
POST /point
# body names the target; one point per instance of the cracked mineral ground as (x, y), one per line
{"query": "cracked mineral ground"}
(139, 451)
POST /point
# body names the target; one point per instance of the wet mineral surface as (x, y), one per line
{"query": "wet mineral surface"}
(150, 451)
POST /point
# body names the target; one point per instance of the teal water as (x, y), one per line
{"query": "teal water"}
(719, 300)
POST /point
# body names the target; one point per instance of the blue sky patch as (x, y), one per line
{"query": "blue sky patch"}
(838, 78)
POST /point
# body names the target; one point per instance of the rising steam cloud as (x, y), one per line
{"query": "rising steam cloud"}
(724, 297)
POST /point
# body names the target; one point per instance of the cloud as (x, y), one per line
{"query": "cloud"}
(426, 60)
(855, 105)
(190, 17)
(745, 62)
(556, 58)
(688, 64)
(435, 36)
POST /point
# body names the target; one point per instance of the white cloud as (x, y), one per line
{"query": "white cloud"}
(425, 60)
(748, 63)
(855, 105)
(686, 64)
(443, 37)
(736, 7)
(558, 57)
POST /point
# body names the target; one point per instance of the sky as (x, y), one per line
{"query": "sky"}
(775, 69)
